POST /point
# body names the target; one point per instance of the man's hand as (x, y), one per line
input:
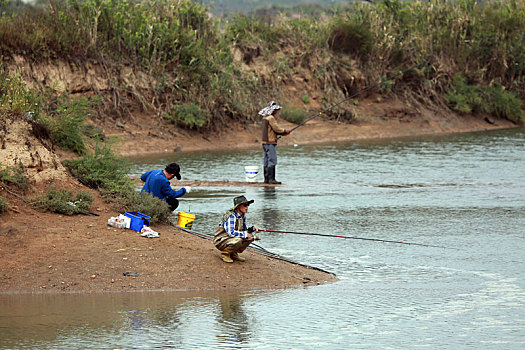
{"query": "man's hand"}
(253, 235)
(187, 188)
(287, 132)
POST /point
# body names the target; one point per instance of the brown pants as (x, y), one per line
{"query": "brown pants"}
(232, 244)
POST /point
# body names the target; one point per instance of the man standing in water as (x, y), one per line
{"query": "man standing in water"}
(270, 130)
(233, 235)
(157, 182)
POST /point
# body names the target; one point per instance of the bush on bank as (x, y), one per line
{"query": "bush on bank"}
(4, 205)
(493, 100)
(63, 201)
(14, 176)
(104, 171)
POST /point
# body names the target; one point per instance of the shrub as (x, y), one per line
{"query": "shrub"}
(351, 37)
(93, 132)
(15, 98)
(62, 201)
(305, 99)
(188, 116)
(15, 176)
(4, 205)
(104, 171)
(503, 104)
(463, 97)
(101, 170)
(493, 100)
(67, 127)
(145, 203)
(293, 114)
(247, 31)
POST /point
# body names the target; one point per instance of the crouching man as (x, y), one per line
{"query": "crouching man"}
(233, 235)
(157, 182)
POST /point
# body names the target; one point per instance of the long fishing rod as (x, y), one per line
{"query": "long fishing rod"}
(356, 94)
(353, 237)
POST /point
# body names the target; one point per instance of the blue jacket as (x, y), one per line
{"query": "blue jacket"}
(159, 186)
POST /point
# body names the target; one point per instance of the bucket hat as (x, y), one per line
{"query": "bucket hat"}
(241, 200)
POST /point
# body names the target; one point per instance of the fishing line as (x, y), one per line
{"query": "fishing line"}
(353, 237)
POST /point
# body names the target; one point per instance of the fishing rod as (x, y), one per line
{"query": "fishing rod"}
(353, 237)
(356, 94)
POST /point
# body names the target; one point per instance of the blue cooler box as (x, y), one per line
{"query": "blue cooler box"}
(137, 220)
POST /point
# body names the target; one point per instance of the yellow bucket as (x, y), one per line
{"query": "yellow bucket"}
(185, 220)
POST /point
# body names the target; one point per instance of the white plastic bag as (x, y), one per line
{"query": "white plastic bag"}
(149, 233)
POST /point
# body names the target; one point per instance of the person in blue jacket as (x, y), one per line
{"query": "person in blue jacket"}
(157, 182)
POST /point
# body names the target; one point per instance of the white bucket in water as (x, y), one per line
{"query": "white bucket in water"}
(251, 173)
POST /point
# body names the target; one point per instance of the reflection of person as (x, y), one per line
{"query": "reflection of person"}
(234, 323)
(270, 131)
(233, 235)
(271, 216)
(157, 182)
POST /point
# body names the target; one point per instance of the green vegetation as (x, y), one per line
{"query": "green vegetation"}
(305, 99)
(66, 127)
(174, 42)
(63, 202)
(189, 116)
(101, 170)
(199, 85)
(496, 101)
(483, 42)
(104, 171)
(14, 177)
(145, 203)
(293, 114)
(225, 7)
(352, 36)
(4, 205)
(59, 118)
(15, 97)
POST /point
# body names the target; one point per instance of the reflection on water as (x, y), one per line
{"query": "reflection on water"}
(461, 191)
(233, 321)
(123, 320)
(270, 215)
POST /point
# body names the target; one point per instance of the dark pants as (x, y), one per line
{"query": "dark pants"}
(270, 155)
(173, 203)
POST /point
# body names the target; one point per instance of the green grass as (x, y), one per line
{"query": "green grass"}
(15, 97)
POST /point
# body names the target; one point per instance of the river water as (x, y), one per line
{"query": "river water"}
(463, 192)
